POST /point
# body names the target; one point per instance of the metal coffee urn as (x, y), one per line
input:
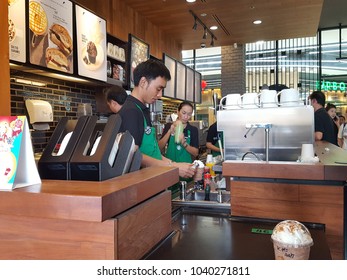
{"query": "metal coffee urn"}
(156, 111)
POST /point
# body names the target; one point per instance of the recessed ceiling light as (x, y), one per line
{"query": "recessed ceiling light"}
(258, 21)
(214, 27)
(203, 14)
(190, 1)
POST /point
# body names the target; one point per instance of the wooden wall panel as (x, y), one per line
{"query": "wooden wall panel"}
(142, 227)
(264, 190)
(122, 20)
(52, 239)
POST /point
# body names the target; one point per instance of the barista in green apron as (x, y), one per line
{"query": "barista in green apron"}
(212, 138)
(149, 145)
(177, 152)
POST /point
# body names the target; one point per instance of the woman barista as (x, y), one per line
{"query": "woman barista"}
(187, 148)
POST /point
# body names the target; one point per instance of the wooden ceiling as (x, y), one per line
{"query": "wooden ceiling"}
(281, 19)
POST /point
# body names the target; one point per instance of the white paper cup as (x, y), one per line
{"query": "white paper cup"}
(307, 152)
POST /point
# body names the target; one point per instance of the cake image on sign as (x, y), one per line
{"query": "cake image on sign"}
(55, 59)
(61, 37)
(92, 56)
(11, 30)
(291, 241)
(92, 52)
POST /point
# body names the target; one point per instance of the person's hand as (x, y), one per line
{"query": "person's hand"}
(172, 129)
(186, 170)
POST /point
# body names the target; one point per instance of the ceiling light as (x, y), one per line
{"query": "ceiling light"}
(190, 1)
(206, 29)
(205, 33)
(258, 21)
(214, 27)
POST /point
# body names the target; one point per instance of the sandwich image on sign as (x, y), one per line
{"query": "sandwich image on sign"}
(55, 59)
(61, 37)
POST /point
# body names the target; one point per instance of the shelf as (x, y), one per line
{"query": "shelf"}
(116, 59)
(115, 82)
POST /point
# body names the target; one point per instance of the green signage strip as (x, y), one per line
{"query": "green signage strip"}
(261, 230)
(330, 85)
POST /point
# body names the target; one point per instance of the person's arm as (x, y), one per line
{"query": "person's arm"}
(318, 136)
(185, 170)
(168, 130)
(340, 136)
(212, 147)
(191, 148)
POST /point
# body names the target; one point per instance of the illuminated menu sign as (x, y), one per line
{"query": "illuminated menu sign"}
(17, 30)
(51, 34)
(91, 44)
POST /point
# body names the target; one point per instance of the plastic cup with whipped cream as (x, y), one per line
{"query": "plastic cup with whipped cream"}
(291, 241)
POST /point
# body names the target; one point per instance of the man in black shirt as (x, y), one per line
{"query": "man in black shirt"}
(323, 124)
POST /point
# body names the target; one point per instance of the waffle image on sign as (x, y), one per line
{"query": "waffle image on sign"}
(37, 18)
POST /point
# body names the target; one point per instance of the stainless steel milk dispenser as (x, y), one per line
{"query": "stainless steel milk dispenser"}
(278, 131)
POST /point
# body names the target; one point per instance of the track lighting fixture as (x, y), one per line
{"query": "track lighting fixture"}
(205, 33)
(206, 29)
(195, 26)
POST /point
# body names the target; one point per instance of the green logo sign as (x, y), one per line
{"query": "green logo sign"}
(329, 85)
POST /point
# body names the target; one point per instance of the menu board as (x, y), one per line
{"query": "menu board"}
(197, 95)
(51, 34)
(17, 30)
(170, 63)
(190, 84)
(91, 45)
(181, 81)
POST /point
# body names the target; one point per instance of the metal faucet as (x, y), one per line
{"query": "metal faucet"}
(267, 127)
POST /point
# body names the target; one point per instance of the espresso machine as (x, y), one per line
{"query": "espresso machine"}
(156, 111)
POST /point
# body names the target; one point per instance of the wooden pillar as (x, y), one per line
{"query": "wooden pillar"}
(5, 98)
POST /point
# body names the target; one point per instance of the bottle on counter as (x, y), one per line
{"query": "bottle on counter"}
(207, 192)
(207, 180)
(210, 163)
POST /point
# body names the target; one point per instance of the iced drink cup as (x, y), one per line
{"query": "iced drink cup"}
(291, 241)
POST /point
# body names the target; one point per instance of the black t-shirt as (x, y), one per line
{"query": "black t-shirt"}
(194, 134)
(324, 123)
(132, 118)
(213, 135)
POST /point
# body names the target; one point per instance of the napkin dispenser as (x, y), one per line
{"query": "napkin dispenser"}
(102, 152)
(55, 160)
(40, 113)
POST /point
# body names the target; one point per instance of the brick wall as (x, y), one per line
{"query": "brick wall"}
(233, 69)
(64, 96)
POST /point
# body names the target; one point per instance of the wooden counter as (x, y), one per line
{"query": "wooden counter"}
(289, 190)
(120, 218)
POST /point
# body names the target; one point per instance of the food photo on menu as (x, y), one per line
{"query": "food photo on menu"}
(50, 36)
(17, 30)
(91, 44)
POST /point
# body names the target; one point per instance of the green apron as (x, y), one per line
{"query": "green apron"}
(149, 145)
(176, 152)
